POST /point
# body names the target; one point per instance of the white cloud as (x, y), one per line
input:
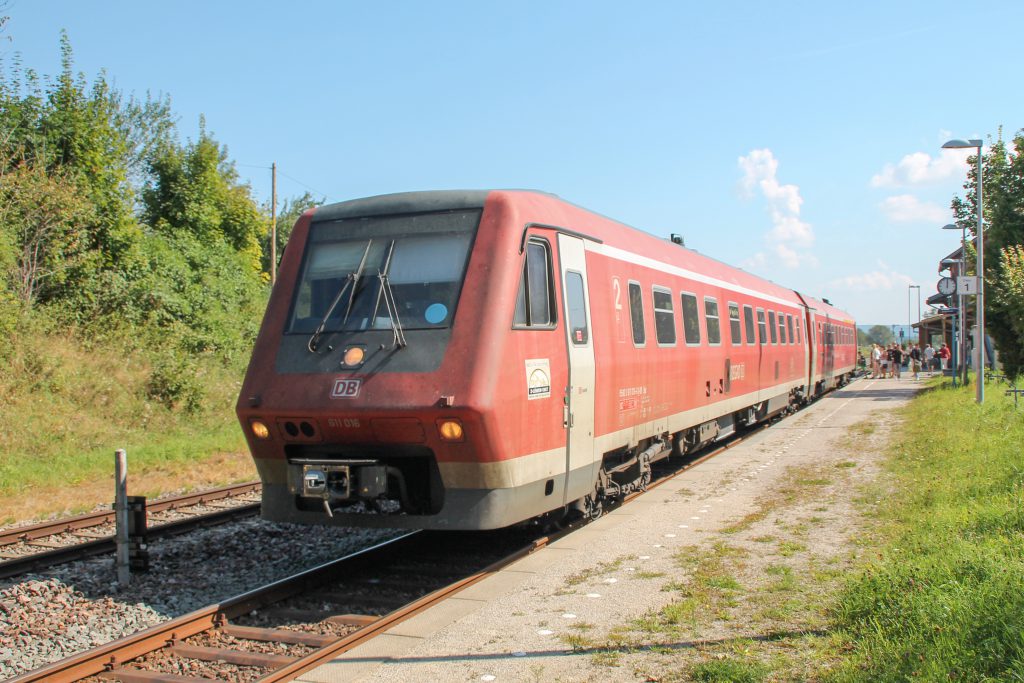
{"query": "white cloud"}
(788, 233)
(792, 229)
(755, 262)
(919, 169)
(787, 256)
(780, 253)
(906, 208)
(883, 278)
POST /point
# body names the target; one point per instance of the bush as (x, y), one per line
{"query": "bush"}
(174, 383)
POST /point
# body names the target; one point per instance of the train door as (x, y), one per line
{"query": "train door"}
(812, 347)
(578, 408)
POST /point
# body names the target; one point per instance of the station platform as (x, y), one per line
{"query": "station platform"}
(526, 622)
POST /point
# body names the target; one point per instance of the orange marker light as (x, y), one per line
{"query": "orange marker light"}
(259, 430)
(450, 430)
(353, 355)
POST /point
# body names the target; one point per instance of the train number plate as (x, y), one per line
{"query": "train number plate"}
(346, 388)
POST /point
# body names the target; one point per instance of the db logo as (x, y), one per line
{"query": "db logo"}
(345, 388)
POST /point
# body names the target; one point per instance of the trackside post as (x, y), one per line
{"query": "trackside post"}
(122, 562)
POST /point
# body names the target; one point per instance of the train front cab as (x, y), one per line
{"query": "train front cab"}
(338, 441)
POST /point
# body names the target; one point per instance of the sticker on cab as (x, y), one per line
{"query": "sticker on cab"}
(345, 387)
(538, 378)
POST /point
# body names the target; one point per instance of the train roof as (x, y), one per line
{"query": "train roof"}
(409, 202)
(648, 244)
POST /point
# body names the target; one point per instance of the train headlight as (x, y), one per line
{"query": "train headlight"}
(450, 429)
(259, 429)
(354, 355)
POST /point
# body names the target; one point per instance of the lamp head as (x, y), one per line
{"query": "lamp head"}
(962, 144)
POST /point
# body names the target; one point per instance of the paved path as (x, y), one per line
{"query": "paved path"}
(513, 625)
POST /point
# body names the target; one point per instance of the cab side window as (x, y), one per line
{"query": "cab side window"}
(534, 302)
(636, 313)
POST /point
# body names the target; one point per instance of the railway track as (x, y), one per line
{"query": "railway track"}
(280, 631)
(286, 628)
(31, 548)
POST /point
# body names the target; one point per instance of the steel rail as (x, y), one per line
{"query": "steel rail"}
(114, 653)
(314, 659)
(80, 551)
(72, 524)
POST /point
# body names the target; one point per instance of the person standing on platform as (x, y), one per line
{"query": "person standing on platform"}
(876, 361)
(915, 361)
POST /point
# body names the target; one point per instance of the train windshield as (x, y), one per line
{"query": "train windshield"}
(351, 263)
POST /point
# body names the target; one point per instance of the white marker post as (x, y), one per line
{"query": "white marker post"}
(121, 516)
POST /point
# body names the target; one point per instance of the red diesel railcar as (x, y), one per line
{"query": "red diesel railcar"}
(471, 360)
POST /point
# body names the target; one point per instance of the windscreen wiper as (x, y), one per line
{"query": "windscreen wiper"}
(355, 282)
(351, 281)
(388, 295)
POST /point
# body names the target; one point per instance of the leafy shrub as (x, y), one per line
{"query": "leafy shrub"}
(174, 383)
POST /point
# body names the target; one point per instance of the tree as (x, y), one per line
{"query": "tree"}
(1004, 221)
(291, 210)
(42, 217)
(880, 334)
(194, 190)
(862, 338)
(64, 133)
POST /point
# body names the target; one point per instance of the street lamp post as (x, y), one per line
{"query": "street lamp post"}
(910, 310)
(979, 342)
(961, 351)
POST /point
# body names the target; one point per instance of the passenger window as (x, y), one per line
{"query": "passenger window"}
(789, 325)
(636, 313)
(711, 320)
(691, 320)
(771, 326)
(734, 323)
(578, 329)
(664, 318)
(534, 301)
(782, 328)
(748, 321)
(762, 333)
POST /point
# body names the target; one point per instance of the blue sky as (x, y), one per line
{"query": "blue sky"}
(798, 140)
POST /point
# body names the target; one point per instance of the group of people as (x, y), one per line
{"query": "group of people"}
(888, 361)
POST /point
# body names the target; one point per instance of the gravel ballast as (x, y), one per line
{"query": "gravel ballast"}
(51, 615)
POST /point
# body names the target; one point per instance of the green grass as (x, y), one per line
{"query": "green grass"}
(68, 404)
(737, 670)
(943, 596)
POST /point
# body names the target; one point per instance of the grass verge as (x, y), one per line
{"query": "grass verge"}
(943, 598)
(69, 403)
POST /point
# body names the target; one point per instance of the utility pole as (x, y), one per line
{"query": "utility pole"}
(273, 223)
